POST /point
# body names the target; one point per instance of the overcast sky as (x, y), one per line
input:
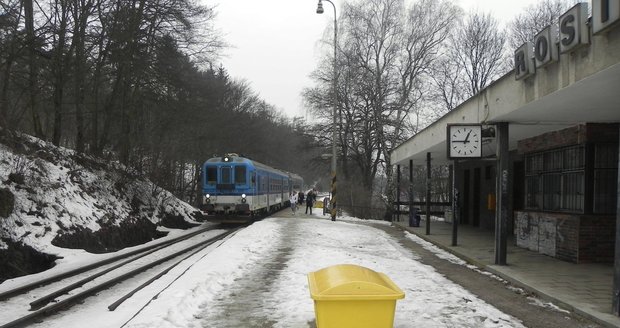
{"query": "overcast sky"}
(275, 43)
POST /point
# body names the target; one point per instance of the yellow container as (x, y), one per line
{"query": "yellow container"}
(352, 296)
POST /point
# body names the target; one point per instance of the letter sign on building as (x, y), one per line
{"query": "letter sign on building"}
(574, 33)
(524, 64)
(574, 28)
(545, 47)
(605, 13)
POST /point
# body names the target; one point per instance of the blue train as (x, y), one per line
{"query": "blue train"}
(236, 189)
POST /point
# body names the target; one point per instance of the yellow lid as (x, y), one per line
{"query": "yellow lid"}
(348, 281)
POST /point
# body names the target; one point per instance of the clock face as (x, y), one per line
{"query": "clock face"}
(464, 141)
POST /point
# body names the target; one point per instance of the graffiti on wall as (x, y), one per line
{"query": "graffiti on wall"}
(536, 233)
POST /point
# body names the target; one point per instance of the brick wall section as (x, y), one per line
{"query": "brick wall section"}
(578, 238)
(555, 139)
(596, 239)
(567, 238)
(575, 135)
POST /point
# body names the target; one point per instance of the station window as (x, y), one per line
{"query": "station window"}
(211, 175)
(554, 180)
(240, 175)
(605, 178)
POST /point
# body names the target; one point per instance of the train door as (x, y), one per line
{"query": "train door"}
(268, 191)
(262, 195)
(226, 182)
(282, 192)
(253, 184)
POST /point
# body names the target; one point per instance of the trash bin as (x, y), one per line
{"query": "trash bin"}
(414, 217)
(351, 296)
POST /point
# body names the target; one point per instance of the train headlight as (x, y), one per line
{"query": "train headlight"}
(243, 198)
(207, 198)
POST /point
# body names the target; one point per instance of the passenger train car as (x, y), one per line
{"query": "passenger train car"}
(237, 189)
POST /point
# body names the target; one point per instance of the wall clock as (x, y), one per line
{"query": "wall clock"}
(464, 140)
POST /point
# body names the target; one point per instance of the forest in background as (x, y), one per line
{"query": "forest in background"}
(134, 81)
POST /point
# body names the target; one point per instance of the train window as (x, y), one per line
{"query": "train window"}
(226, 176)
(211, 175)
(240, 177)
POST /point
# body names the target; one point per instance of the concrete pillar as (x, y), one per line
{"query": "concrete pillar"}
(502, 189)
(428, 193)
(615, 303)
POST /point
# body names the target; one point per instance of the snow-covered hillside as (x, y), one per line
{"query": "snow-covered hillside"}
(52, 197)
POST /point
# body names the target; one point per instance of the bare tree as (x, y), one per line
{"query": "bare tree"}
(32, 61)
(11, 42)
(534, 18)
(478, 48)
(60, 59)
(449, 86)
(427, 26)
(81, 11)
(386, 51)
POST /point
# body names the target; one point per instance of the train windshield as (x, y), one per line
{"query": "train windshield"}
(211, 175)
(240, 176)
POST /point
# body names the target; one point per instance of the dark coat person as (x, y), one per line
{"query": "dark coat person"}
(300, 197)
(310, 197)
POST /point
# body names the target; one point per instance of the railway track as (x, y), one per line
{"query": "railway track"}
(50, 295)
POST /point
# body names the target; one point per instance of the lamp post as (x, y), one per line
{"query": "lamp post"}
(319, 10)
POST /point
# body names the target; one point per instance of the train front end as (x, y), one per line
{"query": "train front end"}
(228, 189)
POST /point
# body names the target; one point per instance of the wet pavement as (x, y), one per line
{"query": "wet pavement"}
(581, 288)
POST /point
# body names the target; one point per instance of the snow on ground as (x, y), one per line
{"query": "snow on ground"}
(258, 278)
(207, 295)
(63, 190)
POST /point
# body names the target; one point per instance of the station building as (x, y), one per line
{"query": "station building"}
(547, 172)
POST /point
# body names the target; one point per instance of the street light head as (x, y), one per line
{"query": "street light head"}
(319, 8)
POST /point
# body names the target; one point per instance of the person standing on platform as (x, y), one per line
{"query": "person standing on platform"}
(300, 198)
(310, 196)
(293, 199)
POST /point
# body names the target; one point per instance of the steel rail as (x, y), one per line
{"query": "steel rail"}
(42, 301)
(84, 294)
(118, 302)
(35, 284)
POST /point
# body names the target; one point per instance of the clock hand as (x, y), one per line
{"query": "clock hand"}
(467, 137)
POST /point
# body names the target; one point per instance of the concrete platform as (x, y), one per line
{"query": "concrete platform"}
(583, 288)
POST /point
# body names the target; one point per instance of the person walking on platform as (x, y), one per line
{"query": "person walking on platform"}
(300, 198)
(310, 196)
(293, 199)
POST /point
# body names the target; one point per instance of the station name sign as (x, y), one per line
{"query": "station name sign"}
(573, 34)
